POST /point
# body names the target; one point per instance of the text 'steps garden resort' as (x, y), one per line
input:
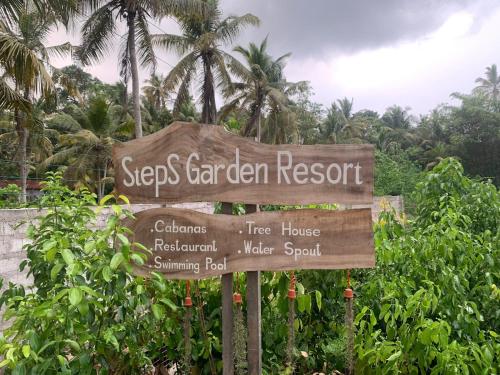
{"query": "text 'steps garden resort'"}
(279, 187)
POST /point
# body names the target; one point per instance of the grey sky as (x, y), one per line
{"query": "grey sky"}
(379, 52)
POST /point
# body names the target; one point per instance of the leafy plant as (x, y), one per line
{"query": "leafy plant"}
(87, 312)
(429, 305)
(9, 196)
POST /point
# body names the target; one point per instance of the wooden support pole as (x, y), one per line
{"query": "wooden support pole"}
(227, 313)
(254, 345)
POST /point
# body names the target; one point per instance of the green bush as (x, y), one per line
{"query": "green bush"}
(9, 196)
(87, 313)
(430, 305)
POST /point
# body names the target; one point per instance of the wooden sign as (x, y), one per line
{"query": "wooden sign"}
(191, 162)
(187, 244)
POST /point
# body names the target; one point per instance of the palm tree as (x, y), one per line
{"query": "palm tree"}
(155, 91)
(24, 59)
(341, 125)
(85, 146)
(262, 84)
(200, 44)
(100, 29)
(491, 84)
(397, 117)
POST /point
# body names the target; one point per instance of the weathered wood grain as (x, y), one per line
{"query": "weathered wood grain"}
(216, 146)
(344, 239)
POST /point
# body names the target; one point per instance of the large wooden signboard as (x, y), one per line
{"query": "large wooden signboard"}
(191, 162)
(190, 245)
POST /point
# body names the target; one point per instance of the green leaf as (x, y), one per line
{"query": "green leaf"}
(89, 246)
(26, 351)
(318, 299)
(55, 270)
(49, 245)
(394, 356)
(68, 256)
(137, 259)
(124, 198)
(116, 261)
(75, 296)
(304, 302)
(51, 254)
(62, 360)
(90, 291)
(373, 320)
(4, 363)
(361, 314)
(107, 274)
(103, 201)
(73, 345)
(158, 311)
(300, 288)
(169, 303)
(124, 240)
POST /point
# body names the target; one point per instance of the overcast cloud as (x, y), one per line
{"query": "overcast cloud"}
(314, 27)
(379, 52)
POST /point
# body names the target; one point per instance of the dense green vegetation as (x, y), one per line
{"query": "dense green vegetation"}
(431, 304)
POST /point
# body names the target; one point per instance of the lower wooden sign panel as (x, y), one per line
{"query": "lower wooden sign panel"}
(187, 244)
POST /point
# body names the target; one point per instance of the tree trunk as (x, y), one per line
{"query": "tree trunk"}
(253, 122)
(209, 111)
(135, 74)
(22, 133)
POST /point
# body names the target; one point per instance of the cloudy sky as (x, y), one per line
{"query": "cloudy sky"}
(379, 52)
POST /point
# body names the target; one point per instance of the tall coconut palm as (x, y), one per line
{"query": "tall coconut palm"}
(340, 126)
(100, 29)
(262, 88)
(395, 129)
(262, 83)
(200, 45)
(24, 59)
(491, 84)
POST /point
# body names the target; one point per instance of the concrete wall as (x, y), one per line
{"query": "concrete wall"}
(381, 203)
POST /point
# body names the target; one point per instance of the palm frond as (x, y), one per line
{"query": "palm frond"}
(124, 60)
(278, 98)
(97, 33)
(23, 64)
(145, 48)
(237, 68)
(231, 27)
(11, 99)
(183, 95)
(60, 158)
(222, 75)
(162, 8)
(9, 10)
(60, 50)
(177, 74)
(178, 43)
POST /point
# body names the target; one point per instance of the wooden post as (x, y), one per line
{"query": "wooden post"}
(254, 345)
(227, 313)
